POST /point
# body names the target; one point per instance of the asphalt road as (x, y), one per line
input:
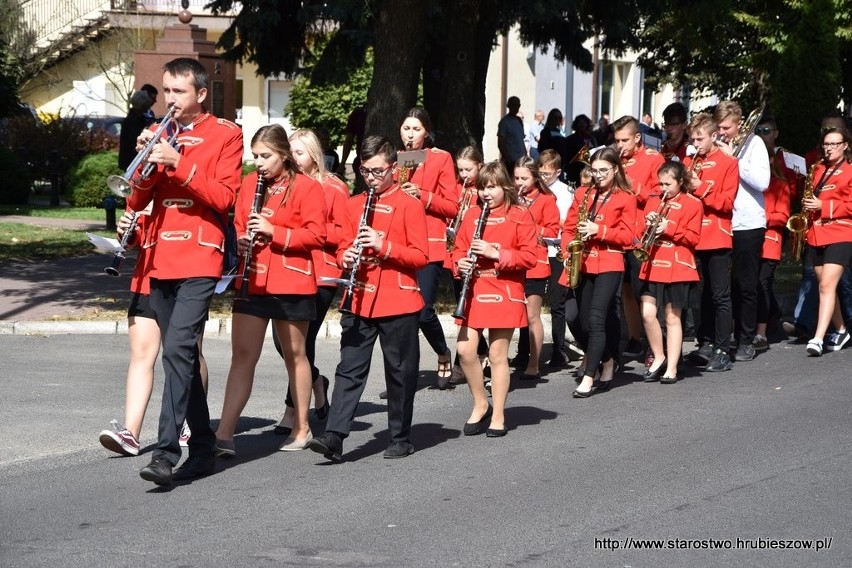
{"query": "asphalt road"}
(758, 453)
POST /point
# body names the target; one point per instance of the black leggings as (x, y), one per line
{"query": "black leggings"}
(599, 323)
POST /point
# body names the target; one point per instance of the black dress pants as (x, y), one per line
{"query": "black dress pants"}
(748, 246)
(715, 326)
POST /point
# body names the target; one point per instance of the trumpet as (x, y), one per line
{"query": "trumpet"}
(477, 234)
(800, 223)
(582, 156)
(643, 249)
(122, 185)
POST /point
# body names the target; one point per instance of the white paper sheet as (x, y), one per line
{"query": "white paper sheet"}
(105, 244)
(796, 163)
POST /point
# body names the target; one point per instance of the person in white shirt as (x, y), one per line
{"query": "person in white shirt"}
(749, 222)
(533, 133)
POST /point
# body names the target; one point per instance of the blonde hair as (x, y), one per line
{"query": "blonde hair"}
(726, 110)
(314, 149)
(703, 122)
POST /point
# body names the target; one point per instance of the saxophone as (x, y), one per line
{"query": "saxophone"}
(799, 223)
(573, 256)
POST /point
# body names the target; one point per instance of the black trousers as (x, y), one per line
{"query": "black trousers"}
(181, 309)
(429, 279)
(599, 323)
(767, 303)
(748, 246)
(715, 326)
(558, 298)
(401, 352)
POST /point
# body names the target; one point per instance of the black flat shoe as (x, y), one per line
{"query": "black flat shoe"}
(474, 428)
(496, 433)
(322, 411)
(581, 394)
(195, 467)
(536, 377)
(603, 385)
(654, 376)
(669, 380)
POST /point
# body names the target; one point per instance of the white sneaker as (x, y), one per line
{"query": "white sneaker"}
(815, 347)
(837, 340)
(185, 434)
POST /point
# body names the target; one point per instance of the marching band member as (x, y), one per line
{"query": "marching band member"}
(670, 273)
(389, 245)
(434, 184)
(609, 228)
(713, 178)
(640, 166)
(677, 139)
(307, 152)
(536, 196)
(192, 189)
(777, 198)
(830, 234)
(748, 223)
(506, 250)
(282, 286)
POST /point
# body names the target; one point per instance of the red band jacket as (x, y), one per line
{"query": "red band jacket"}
(386, 283)
(615, 213)
(720, 180)
(191, 202)
(325, 259)
(777, 197)
(284, 264)
(833, 222)
(673, 252)
(641, 169)
(545, 215)
(439, 194)
(496, 298)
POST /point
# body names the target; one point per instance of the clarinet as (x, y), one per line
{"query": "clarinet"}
(119, 257)
(346, 305)
(257, 204)
(477, 234)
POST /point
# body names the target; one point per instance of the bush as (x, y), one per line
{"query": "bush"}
(15, 189)
(87, 181)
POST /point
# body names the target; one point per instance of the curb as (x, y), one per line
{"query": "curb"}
(216, 328)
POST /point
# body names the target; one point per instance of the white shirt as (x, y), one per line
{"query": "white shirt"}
(564, 199)
(749, 206)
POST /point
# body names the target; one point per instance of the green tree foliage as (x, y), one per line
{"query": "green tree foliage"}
(15, 41)
(326, 102)
(87, 180)
(807, 81)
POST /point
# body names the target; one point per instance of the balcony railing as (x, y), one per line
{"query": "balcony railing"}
(49, 18)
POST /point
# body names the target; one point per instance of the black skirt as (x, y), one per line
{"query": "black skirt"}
(677, 293)
(283, 307)
(536, 286)
(837, 253)
(140, 306)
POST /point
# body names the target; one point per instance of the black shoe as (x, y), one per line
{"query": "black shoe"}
(633, 349)
(525, 377)
(719, 362)
(383, 395)
(474, 428)
(580, 394)
(195, 467)
(760, 344)
(496, 433)
(558, 360)
(159, 471)
(654, 376)
(398, 450)
(519, 361)
(702, 355)
(322, 412)
(330, 445)
(669, 380)
(745, 353)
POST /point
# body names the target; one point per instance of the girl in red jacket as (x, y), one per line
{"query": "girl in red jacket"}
(282, 287)
(669, 274)
(495, 300)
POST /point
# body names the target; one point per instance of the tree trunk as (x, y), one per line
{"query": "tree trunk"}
(399, 41)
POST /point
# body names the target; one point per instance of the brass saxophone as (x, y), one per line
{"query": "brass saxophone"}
(799, 223)
(573, 256)
(643, 249)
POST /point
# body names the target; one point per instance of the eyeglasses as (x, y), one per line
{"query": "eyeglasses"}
(601, 172)
(546, 175)
(832, 144)
(377, 173)
(763, 130)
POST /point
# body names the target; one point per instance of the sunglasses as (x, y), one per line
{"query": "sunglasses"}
(762, 130)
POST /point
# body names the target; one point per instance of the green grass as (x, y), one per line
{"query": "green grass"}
(19, 241)
(77, 213)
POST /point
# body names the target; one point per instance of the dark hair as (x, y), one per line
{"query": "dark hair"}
(421, 115)
(768, 119)
(847, 153)
(373, 146)
(185, 66)
(554, 119)
(532, 166)
(150, 89)
(674, 110)
(611, 156)
(275, 138)
(625, 122)
(675, 169)
(581, 119)
(495, 173)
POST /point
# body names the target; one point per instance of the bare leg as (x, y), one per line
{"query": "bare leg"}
(143, 335)
(653, 331)
(468, 359)
(674, 340)
(293, 337)
(828, 275)
(498, 353)
(536, 334)
(247, 334)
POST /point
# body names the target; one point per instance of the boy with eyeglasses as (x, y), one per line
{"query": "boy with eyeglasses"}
(386, 303)
(674, 125)
(713, 178)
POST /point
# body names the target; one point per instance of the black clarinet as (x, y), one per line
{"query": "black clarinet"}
(119, 257)
(257, 204)
(477, 234)
(346, 305)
